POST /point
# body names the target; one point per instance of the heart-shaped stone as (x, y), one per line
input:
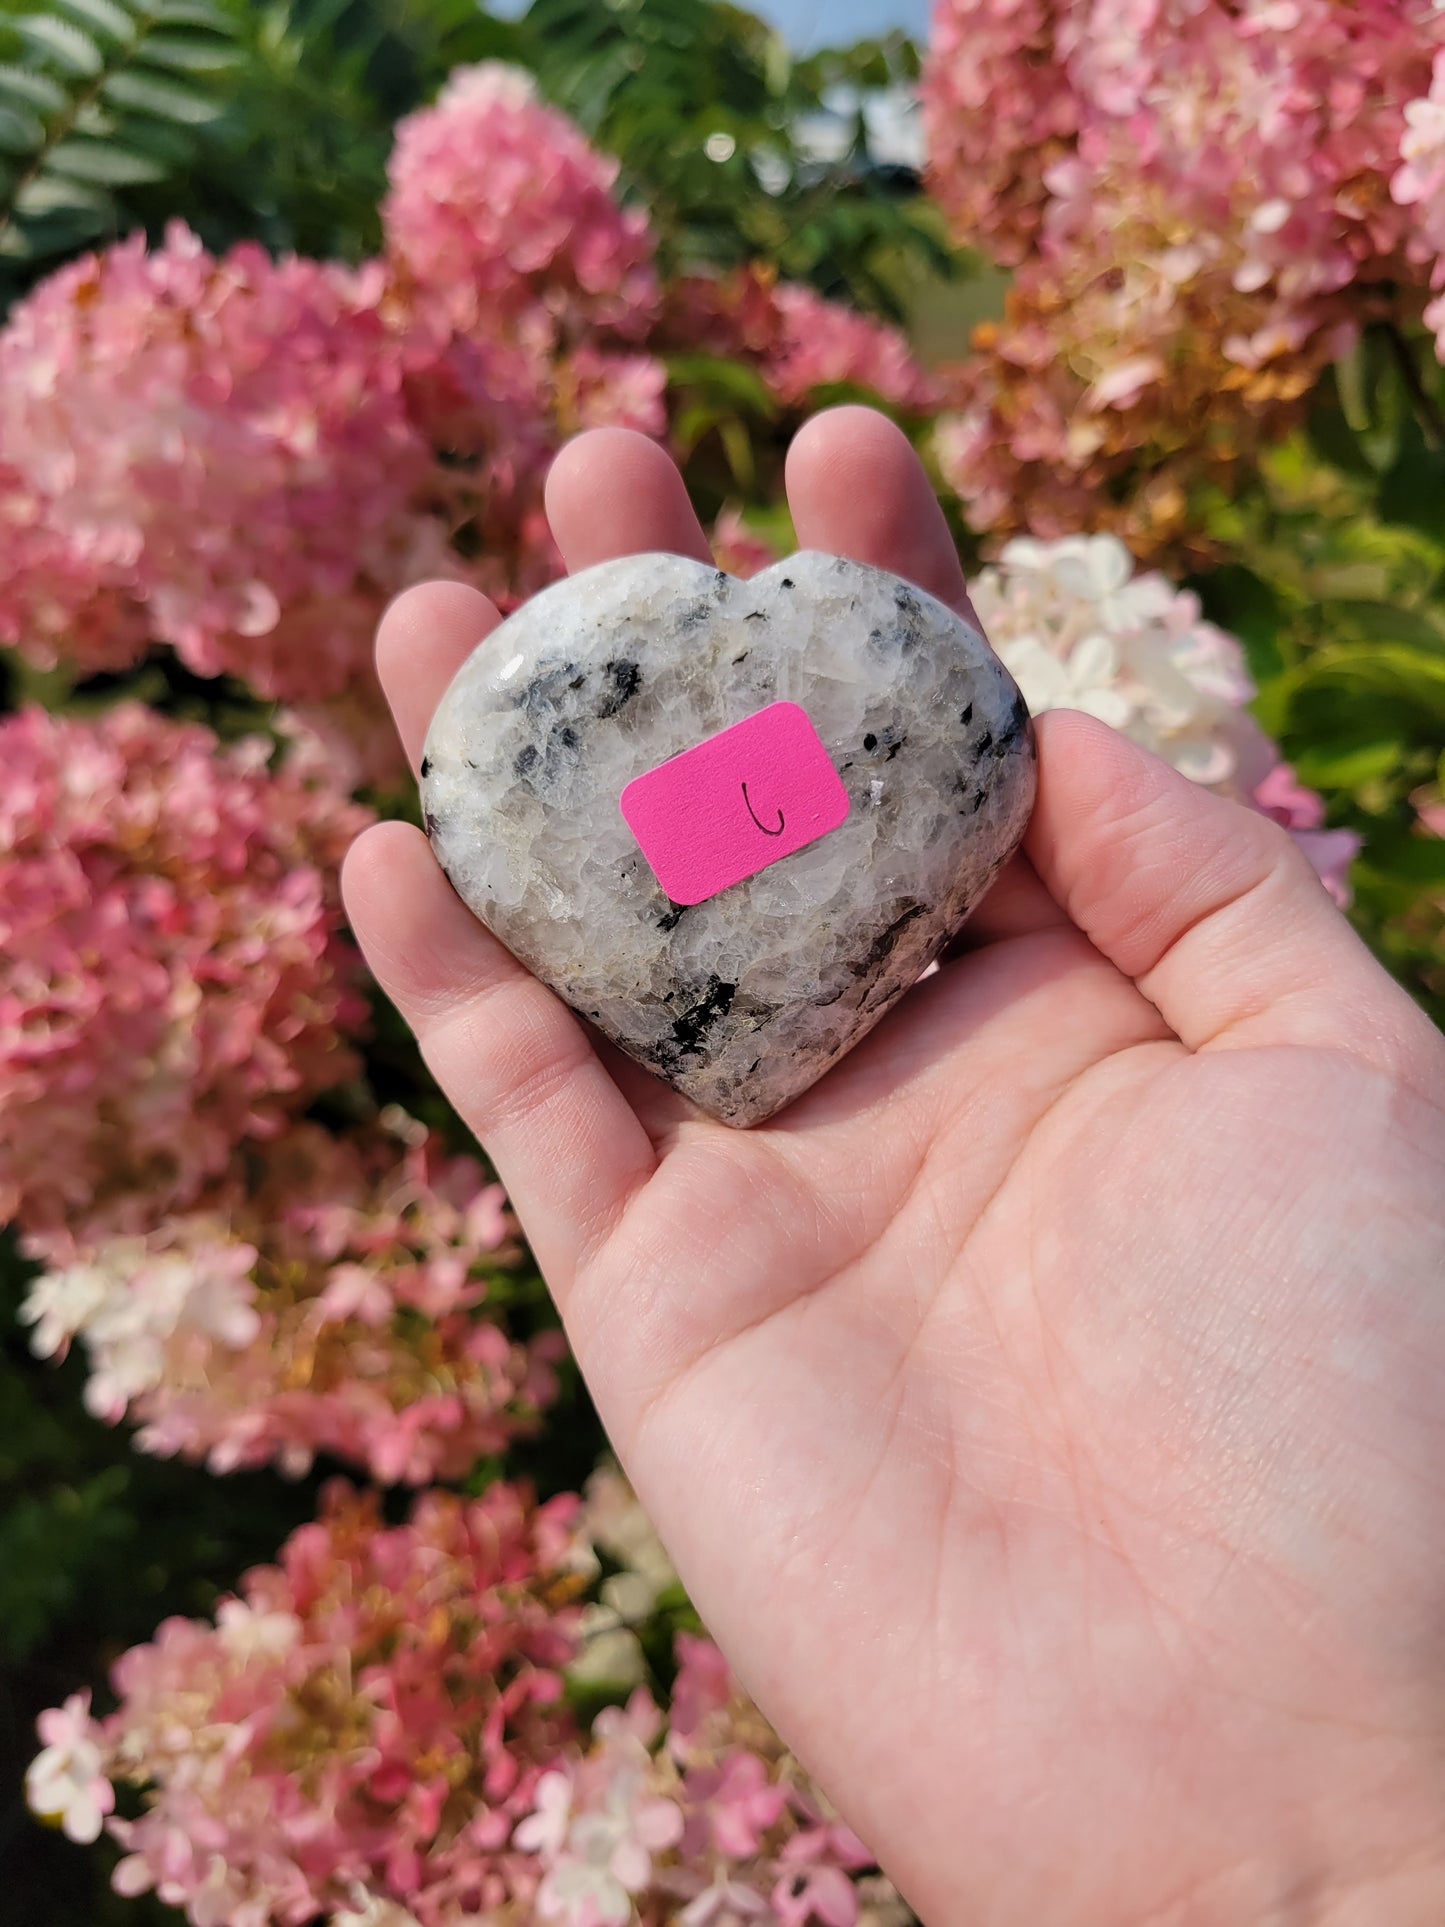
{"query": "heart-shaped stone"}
(832, 852)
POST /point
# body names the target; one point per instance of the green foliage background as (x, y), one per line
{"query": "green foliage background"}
(272, 120)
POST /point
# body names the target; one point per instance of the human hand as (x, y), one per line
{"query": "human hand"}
(1045, 1412)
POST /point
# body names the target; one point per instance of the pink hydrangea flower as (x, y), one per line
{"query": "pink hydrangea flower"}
(796, 339)
(1419, 186)
(362, 1728)
(823, 344)
(714, 1826)
(1199, 193)
(504, 218)
(333, 1304)
(599, 388)
(1282, 796)
(216, 454)
(173, 981)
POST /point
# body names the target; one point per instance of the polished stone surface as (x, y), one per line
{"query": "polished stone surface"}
(742, 1001)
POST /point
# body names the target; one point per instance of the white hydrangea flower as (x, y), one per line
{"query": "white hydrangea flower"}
(66, 1781)
(139, 1309)
(1079, 629)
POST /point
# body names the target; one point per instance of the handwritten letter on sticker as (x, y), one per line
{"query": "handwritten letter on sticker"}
(745, 798)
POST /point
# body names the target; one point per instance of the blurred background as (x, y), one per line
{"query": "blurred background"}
(300, 298)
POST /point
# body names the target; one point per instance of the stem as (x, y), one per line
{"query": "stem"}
(1428, 412)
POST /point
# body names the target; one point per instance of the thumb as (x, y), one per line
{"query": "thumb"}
(1209, 906)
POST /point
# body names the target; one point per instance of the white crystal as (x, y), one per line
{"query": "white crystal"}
(745, 1000)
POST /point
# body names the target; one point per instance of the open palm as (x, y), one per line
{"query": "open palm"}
(1044, 1412)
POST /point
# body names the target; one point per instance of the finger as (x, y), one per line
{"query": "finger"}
(857, 488)
(613, 492)
(1206, 904)
(515, 1062)
(424, 638)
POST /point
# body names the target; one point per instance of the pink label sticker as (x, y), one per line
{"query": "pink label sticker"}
(745, 798)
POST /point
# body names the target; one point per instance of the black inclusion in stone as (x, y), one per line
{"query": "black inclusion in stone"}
(526, 759)
(967, 717)
(984, 743)
(1018, 720)
(673, 917)
(624, 679)
(788, 582)
(870, 742)
(425, 767)
(690, 1031)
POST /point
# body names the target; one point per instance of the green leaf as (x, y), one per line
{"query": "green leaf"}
(73, 50)
(1350, 768)
(1381, 669)
(1413, 491)
(150, 94)
(1388, 622)
(740, 384)
(51, 1547)
(20, 132)
(104, 16)
(49, 194)
(1242, 602)
(34, 90)
(188, 55)
(104, 163)
(1336, 442)
(1419, 859)
(191, 13)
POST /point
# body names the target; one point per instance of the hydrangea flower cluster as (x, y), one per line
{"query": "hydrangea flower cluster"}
(796, 340)
(375, 1731)
(173, 981)
(215, 454)
(700, 1818)
(1419, 185)
(1199, 192)
(504, 218)
(245, 459)
(362, 1728)
(1079, 628)
(330, 1305)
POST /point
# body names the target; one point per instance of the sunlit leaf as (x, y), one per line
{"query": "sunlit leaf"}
(104, 16)
(49, 194)
(71, 49)
(35, 90)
